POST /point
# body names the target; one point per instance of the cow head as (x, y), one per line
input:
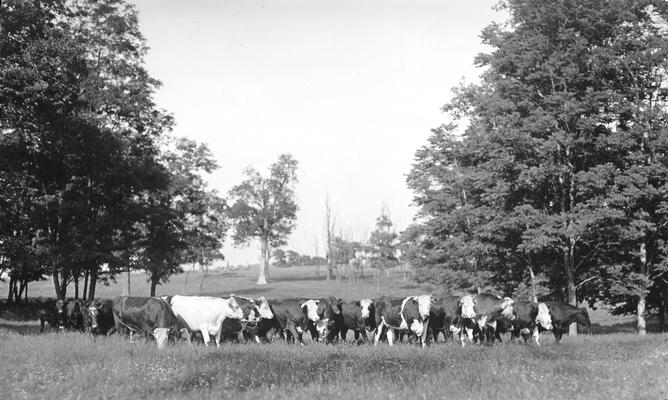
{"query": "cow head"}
(263, 309)
(365, 307)
(467, 305)
(310, 308)
(424, 305)
(321, 326)
(507, 308)
(161, 336)
(544, 318)
(417, 327)
(60, 313)
(235, 311)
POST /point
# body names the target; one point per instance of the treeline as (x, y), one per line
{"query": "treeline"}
(91, 182)
(551, 178)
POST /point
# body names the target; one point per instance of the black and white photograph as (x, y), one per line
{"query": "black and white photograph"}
(334, 199)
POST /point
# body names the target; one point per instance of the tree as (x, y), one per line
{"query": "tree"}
(264, 208)
(330, 226)
(279, 258)
(383, 242)
(529, 188)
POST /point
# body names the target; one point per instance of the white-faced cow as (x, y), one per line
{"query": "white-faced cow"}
(98, 317)
(488, 308)
(396, 314)
(147, 315)
(445, 315)
(564, 314)
(205, 314)
(358, 316)
(250, 326)
(322, 317)
(528, 317)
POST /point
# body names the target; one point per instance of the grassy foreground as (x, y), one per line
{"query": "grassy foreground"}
(70, 365)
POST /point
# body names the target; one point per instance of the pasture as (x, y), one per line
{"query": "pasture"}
(71, 365)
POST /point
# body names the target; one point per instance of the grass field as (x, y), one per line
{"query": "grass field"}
(71, 365)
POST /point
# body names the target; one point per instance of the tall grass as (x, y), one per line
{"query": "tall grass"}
(71, 365)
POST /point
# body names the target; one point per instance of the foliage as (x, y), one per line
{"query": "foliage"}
(556, 161)
(383, 243)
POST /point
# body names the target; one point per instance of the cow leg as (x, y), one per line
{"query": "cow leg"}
(361, 332)
(205, 334)
(557, 335)
(379, 331)
(390, 336)
(536, 335)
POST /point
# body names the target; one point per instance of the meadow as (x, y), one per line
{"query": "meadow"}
(71, 365)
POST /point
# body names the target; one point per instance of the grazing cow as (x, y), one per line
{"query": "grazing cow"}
(528, 316)
(358, 316)
(488, 308)
(53, 313)
(148, 315)
(251, 325)
(291, 318)
(398, 314)
(98, 317)
(564, 314)
(205, 314)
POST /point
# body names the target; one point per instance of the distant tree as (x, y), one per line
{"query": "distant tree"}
(292, 258)
(330, 226)
(279, 258)
(265, 208)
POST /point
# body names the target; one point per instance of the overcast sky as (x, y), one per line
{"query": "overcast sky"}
(351, 88)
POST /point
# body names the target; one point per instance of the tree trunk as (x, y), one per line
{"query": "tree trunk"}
(76, 286)
(262, 277)
(640, 309)
(662, 314)
(154, 284)
(126, 289)
(23, 283)
(10, 295)
(570, 289)
(532, 276)
(56, 285)
(25, 294)
(91, 284)
(85, 285)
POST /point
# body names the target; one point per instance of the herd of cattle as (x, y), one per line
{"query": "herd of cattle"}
(476, 318)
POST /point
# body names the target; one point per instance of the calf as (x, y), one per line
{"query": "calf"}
(564, 314)
(148, 315)
(358, 316)
(205, 314)
(397, 314)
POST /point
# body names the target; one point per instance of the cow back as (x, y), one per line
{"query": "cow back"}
(143, 313)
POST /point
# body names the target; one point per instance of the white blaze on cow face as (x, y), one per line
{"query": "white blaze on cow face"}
(264, 310)
(236, 311)
(321, 327)
(417, 327)
(544, 318)
(365, 306)
(467, 304)
(424, 304)
(507, 308)
(311, 309)
(92, 310)
(482, 322)
(161, 336)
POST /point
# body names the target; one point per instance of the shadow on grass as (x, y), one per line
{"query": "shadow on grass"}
(23, 328)
(625, 327)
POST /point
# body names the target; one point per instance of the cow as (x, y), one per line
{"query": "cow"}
(74, 318)
(98, 317)
(323, 316)
(291, 318)
(487, 309)
(251, 325)
(148, 315)
(205, 314)
(529, 316)
(52, 313)
(398, 314)
(564, 314)
(445, 317)
(358, 316)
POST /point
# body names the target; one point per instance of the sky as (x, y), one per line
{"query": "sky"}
(351, 88)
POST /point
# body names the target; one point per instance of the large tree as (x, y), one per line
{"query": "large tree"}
(264, 208)
(570, 110)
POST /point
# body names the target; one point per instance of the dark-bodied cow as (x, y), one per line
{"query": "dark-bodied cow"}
(489, 307)
(398, 314)
(358, 316)
(529, 316)
(251, 324)
(148, 315)
(52, 313)
(564, 314)
(99, 317)
(290, 318)
(324, 317)
(445, 317)
(74, 315)
(205, 314)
